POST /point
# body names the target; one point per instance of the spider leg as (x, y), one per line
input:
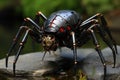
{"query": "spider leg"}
(21, 45)
(85, 25)
(98, 50)
(15, 40)
(38, 15)
(74, 53)
(93, 17)
(104, 25)
(102, 33)
(34, 34)
(36, 26)
(74, 48)
(37, 20)
(44, 55)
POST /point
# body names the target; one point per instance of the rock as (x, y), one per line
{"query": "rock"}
(33, 61)
(31, 64)
(93, 68)
(60, 62)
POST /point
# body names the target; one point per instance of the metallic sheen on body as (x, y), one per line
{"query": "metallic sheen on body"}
(62, 18)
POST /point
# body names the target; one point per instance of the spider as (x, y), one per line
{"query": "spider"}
(64, 28)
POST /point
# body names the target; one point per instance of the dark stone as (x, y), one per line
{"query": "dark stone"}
(93, 67)
(30, 66)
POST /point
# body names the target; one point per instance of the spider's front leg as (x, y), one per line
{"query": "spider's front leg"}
(21, 44)
(15, 40)
(74, 53)
(24, 29)
(38, 15)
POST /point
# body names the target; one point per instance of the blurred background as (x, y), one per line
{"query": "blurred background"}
(12, 13)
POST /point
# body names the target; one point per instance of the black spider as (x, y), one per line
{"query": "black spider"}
(65, 28)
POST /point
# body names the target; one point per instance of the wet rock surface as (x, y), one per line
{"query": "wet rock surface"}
(31, 67)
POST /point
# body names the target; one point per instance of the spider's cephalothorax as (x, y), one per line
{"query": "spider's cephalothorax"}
(65, 28)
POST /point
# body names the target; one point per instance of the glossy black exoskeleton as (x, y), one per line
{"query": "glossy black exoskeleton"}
(65, 28)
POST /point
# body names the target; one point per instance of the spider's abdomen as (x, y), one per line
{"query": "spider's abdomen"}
(62, 21)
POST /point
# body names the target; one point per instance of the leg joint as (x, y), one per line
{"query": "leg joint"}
(99, 14)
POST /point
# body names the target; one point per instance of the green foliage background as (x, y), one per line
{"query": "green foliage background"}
(49, 6)
(28, 8)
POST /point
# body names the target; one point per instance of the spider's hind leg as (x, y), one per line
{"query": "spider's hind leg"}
(105, 27)
(106, 38)
(97, 47)
(105, 33)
